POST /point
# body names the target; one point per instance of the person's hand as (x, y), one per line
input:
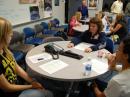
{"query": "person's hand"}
(78, 24)
(88, 50)
(111, 29)
(70, 45)
(36, 85)
(111, 61)
(94, 84)
(111, 25)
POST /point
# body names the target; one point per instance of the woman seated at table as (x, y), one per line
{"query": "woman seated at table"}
(74, 21)
(9, 70)
(101, 15)
(119, 28)
(92, 36)
(119, 85)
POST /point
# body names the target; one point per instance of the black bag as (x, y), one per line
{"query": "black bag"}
(61, 34)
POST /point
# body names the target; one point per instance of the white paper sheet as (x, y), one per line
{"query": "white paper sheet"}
(82, 46)
(98, 66)
(81, 28)
(53, 66)
(40, 57)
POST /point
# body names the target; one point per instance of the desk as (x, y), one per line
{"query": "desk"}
(81, 28)
(73, 72)
(75, 69)
(85, 21)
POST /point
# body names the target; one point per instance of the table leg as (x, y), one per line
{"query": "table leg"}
(69, 90)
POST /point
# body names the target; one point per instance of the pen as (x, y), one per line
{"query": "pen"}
(40, 59)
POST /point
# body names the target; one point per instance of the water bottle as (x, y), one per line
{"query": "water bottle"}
(88, 67)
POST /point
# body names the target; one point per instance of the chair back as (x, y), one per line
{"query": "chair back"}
(17, 43)
(28, 32)
(52, 23)
(61, 34)
(17, 37)
(18, 55)
(57, 22)
(38, 28)
(52, 39)
(44, 25)
(109, 45)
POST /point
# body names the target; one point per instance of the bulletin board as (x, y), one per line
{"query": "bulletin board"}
(23, 11)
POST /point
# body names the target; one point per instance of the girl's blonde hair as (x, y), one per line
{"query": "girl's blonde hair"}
(100, 14)
(78, 15)
(5, 30)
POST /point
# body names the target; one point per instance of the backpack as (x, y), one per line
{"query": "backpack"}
(61, 34)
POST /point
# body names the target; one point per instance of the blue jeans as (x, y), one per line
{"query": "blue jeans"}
(36, 93)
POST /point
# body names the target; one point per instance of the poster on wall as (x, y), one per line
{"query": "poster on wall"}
(47, 8)
(56, 2)
(27, 1)
(92, 4)
(34, 13)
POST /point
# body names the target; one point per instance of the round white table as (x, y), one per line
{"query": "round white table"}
(75, 69)
(85, 21)
(81, 28)
(74, 72)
